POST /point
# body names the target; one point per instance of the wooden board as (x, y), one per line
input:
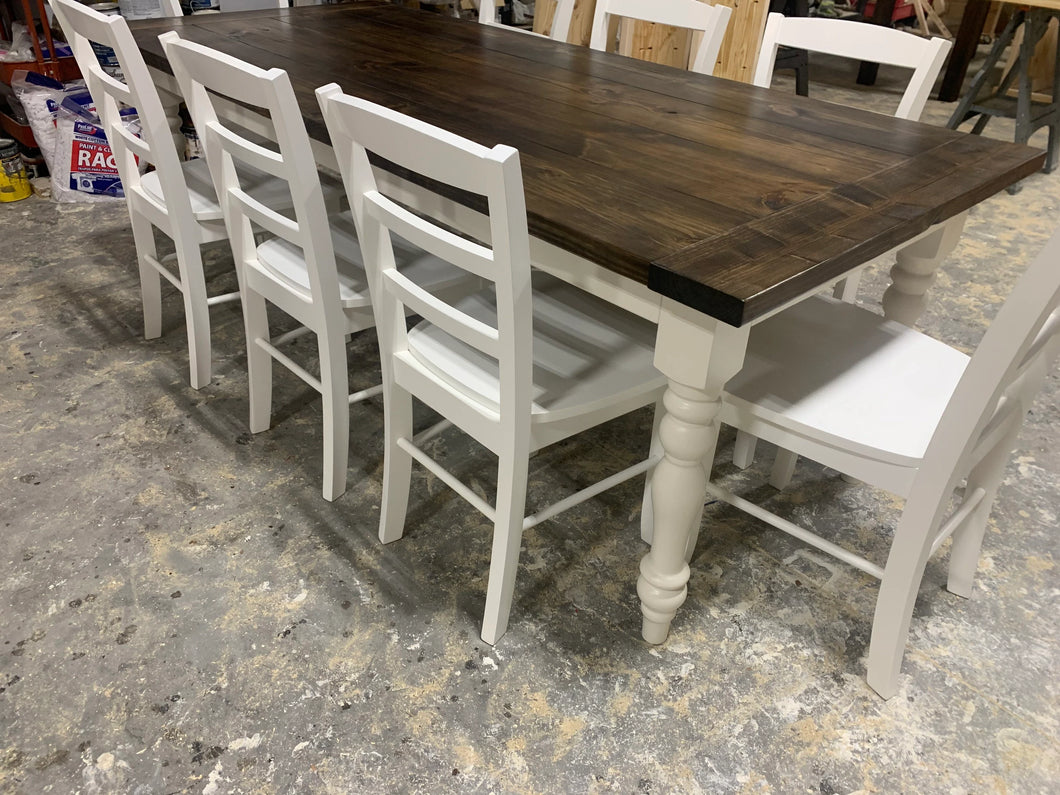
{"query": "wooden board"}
(671, 46)
(739, 51)
(1042, 63)
(581, 20)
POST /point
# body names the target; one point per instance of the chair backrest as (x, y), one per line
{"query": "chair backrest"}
(487, 12)
(998, 386)
(561, 19)
(359, 128)
(154, 144)
(848, 39)
(210, 81)
(710, 21)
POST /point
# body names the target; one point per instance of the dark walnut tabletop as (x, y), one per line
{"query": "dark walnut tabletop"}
(728, 198)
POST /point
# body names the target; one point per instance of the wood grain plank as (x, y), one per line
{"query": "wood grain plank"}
(740, 276)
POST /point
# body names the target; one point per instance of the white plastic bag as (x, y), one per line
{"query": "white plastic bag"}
(40, 98)
(20, 48)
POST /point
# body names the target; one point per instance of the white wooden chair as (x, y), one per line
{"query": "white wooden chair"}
(310, 265)
(527, 362)
(176, 198)
(709, 21)
(902, 412)
(845, 38)
(855, 40)
(848, 39)
(558, 31)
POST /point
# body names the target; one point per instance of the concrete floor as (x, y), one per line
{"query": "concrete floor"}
(182, 612)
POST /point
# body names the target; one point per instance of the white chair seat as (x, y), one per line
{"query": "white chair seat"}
(285, 261)
(267, 189)
(200, 189)
(608, 360)
(824, 366)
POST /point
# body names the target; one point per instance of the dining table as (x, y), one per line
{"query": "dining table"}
(702, 204)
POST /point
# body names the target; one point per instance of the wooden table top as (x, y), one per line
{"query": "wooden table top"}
(729, 198)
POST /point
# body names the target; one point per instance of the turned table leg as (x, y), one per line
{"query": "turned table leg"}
(698, 354)
(915, 268)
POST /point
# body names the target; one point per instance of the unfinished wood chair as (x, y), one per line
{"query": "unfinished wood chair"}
(522, 364)
(927, 17)
(310, 264)
(177, 198)
(709, 22)
(558, 31)
(903, 412)
(848, 39)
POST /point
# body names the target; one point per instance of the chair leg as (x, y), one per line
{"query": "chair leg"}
(335, 390)
(847, 289)
(507, 537)
(894, 605)
(196, 311)
(150, 280)
(968, 538)
(783, 468)
(890, 629)
(397, 464)
(967, 543)
(743, 452)
(259, 361)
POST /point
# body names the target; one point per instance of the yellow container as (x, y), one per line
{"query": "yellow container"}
(14, 184)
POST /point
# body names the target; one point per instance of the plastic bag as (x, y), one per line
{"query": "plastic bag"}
(40, 98)
(86, 169)
(84, 165)
(20, 48)
(69, 133)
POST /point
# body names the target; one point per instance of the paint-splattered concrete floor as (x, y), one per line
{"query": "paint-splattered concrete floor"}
(183, 612)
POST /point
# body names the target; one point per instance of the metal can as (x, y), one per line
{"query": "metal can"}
(192, 144)
(14, 184)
